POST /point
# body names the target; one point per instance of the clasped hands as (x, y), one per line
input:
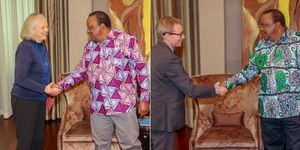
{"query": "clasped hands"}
(220, 88)
(52, 89)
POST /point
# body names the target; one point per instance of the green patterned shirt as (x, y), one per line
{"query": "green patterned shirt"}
(279, 68)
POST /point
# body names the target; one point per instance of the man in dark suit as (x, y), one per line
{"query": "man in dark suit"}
(170, 84)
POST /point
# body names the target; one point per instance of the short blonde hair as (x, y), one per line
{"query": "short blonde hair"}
(30, 23)
(166, 25)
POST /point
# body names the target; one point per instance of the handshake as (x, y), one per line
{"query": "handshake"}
(220, 88)
(52, 89)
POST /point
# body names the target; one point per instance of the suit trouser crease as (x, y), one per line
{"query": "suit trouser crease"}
(162, 140)
(126, 128)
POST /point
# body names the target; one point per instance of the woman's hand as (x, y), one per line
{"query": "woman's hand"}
(52, 89)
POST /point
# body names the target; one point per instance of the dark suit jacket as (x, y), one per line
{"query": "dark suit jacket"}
(169, 85)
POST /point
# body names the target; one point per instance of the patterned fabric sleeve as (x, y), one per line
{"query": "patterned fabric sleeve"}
(78, 73)
(141, 69)
(246, 74)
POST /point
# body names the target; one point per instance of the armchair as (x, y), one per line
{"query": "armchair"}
(227, 122)
(75, 131)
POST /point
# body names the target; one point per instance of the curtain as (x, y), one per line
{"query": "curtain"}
(186, 11)
(12, 15)
(56, 12)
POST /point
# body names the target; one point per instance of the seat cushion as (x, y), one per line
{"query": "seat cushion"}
(81, 131)
(226, 137)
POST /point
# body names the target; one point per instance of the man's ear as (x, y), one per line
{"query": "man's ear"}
(102, 26)
(277, 24)
(167, 35)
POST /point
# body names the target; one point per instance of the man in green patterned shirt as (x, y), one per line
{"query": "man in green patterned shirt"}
(277, 59)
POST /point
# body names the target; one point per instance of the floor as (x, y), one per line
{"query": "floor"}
(8, 139)
(182, 138)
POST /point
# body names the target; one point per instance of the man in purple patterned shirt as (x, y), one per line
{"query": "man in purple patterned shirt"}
(114, 66)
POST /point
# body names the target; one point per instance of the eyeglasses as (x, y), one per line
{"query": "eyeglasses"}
(172, 33)
(92, 27)
(265, 25)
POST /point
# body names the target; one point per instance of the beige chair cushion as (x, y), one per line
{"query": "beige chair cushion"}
(80, 131)
(228, 119)
(226, 137)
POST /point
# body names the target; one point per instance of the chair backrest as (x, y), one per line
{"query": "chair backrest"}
(78, 101)
(243, 98)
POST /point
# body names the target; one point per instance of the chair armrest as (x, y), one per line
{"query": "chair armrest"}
(252, 124)
(61, 131)
(202, 121)
(69, 117)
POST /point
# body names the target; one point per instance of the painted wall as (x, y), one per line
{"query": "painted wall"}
(78, 12)
(233, 35)
(212, 36)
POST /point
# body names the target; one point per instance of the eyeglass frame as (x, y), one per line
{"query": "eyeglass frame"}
(265, 25)
(172, 33)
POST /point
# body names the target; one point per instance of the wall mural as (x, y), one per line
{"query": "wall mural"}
(252, 10)
(132, 16)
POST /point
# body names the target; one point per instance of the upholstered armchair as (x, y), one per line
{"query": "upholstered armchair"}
(227, 122)
(75, 131)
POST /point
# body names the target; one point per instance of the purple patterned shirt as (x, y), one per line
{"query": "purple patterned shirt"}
(113, 69)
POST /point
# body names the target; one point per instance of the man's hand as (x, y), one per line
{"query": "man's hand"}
(220, 88)
(143, 108)
(52, 89)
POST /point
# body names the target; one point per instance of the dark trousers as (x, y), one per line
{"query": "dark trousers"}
(281, 134)
(162, 140)
(29, 116)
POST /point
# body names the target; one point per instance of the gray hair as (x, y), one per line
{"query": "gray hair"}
(30, 23)
(166, 25)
